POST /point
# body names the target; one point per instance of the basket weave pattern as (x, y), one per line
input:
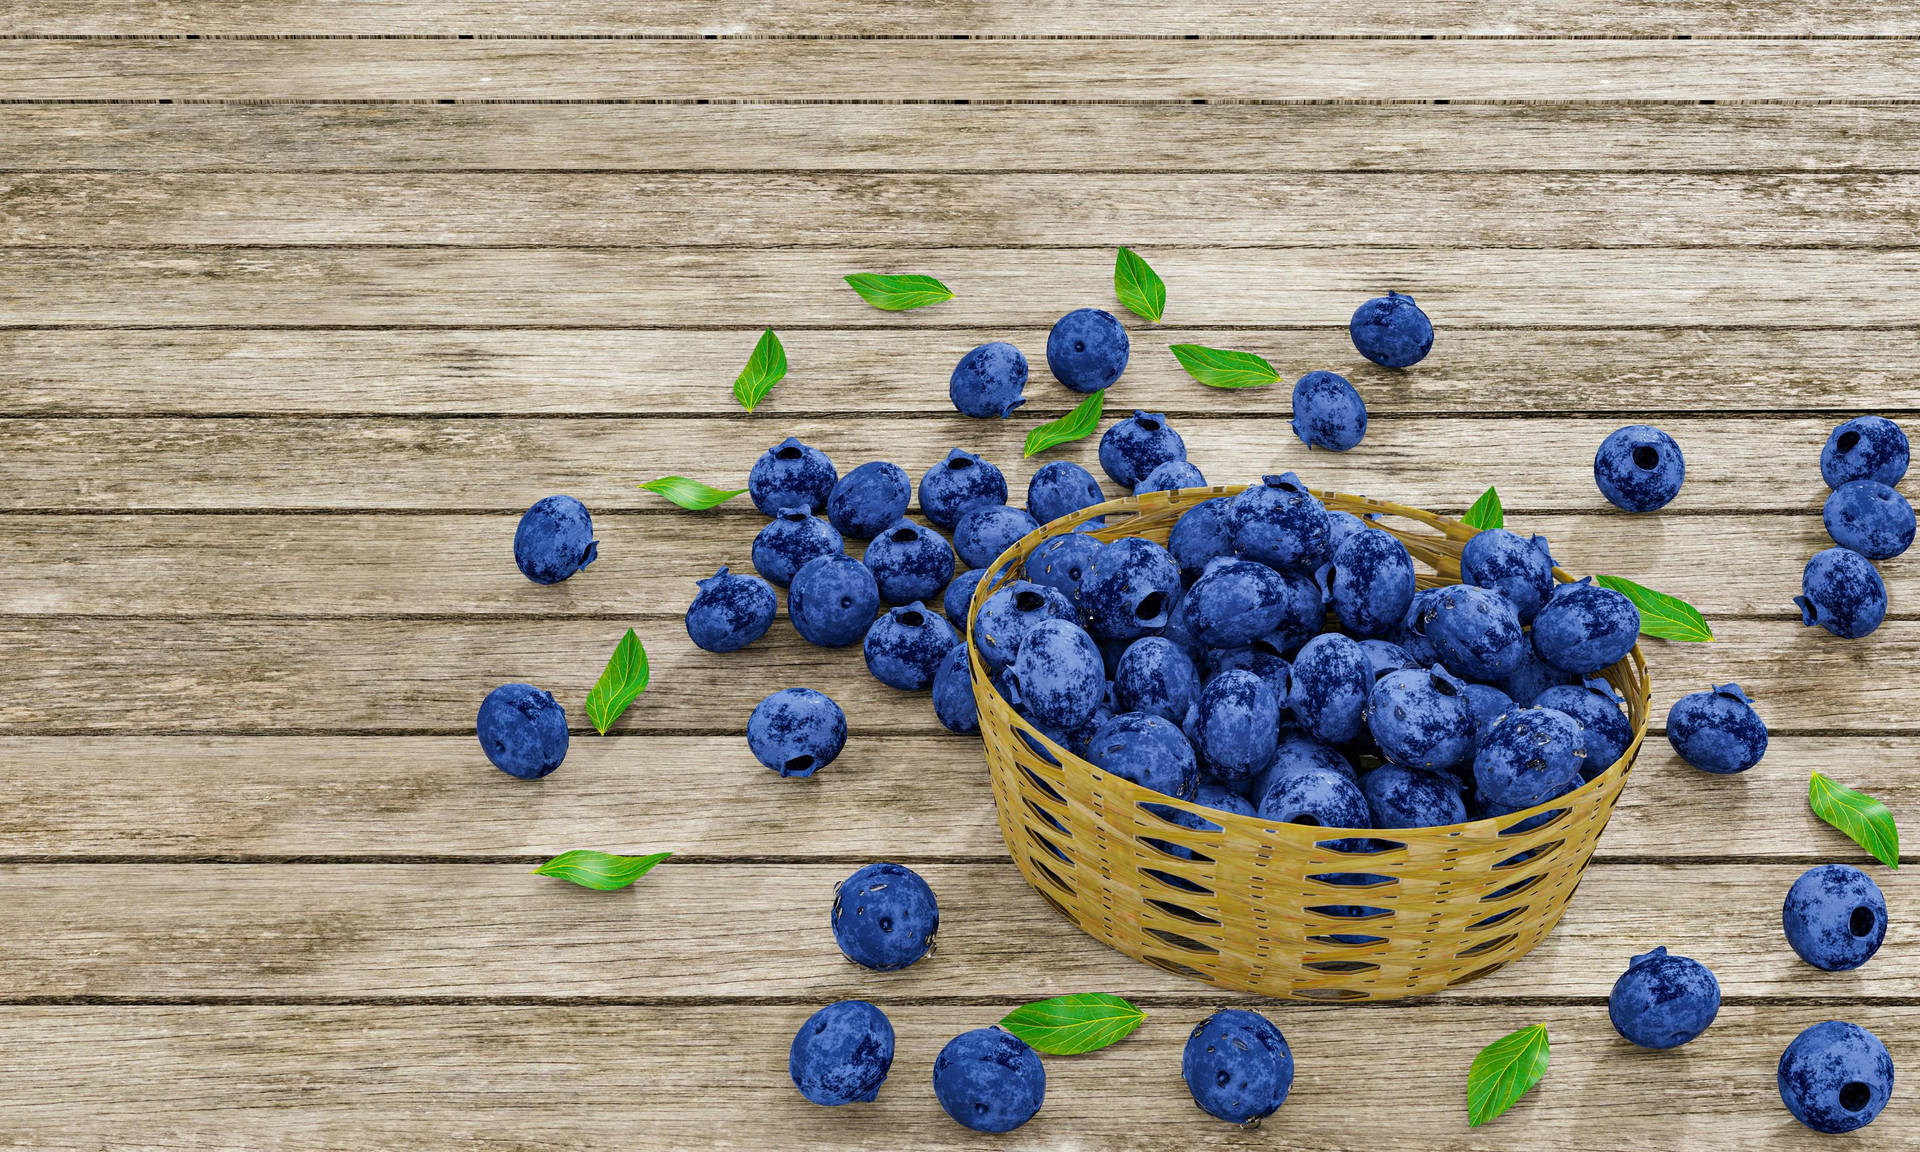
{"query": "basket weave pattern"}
(1254, 906)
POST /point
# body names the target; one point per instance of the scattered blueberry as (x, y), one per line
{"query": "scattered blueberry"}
(904, 647)
(1328, 412)
(1476, 631)
(1870, 518)
(1716, 731)
(1422, 718)
(792, 538)
(984, 532)
(1170, 477)
(1584, 628)
(1134, 447)
(1060, 561)
(1087, 349)
(832, 600)
(1865, 448)
(1149, 750)
(1328, 687)
(1601, 714)
(1835, 1077)
(885, 917)
(1835, 917)
(730, 612)
(1057, 678)
(867, 499)
(1010, 613)
(1639, 468)
(1369, 583)
(554, 540)
(523, 730)
(791, 473)
(989, 381)
(1512, 565)
(961, 481)
(797, 731)
(1391, 331)
(1528, 757)
(1128, 589)
(989, 1080)
(953, 700)
(959, 595)
(1663, 1001)
(909, 562)
(1238, 1066)
(841, 1055)
(1400, 797)
(1843, 593)
(1156, 676)
(1061, 488)
(1279, 523)
(1236, 724)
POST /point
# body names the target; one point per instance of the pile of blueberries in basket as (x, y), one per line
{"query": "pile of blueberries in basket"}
(1274, 659)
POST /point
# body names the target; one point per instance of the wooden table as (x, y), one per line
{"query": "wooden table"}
(305, 300)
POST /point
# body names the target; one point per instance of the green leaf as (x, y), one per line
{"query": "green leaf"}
(1224, 367)
(1858, 815)
(1504, 1071)
(898, 293)
(1070, 1025)
(764, 369)
(600, 871)
(1486, 512)
(623, 680)
(1139, 286)
(691, 494)
(1075, 425)
(1662, 616)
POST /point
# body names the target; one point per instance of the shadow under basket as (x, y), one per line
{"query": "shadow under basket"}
(1287, 910)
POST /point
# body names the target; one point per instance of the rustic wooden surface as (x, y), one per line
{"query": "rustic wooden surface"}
(302, 302)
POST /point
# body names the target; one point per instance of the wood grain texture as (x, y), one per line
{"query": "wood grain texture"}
(999, 70)
(922, 797)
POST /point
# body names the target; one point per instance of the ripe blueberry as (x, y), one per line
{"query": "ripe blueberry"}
(1512, 565)
(1156, 676)
(1400, 797)
(1060, 561)
(884, 917)
(1087, 349)
(1234, 602)
(1716, 731)
(1238, 1066)
(730, 612)
(1870, 518)
(1422, 718)
(959, 595)
(1663, 1001)
(960, 482)
(989, 381)
(989, 1080)
(1475, 631)
(523, 730)
(1487, 704)
(791, 473)
(1328, 412)
(1010, 613)
(984, 532)
(797, 731)
(1528, 757)
(1584, 628)
(1312, 795)
(1061, 488)
(1835, 1077)
(1134, 447)
(1842, 592)
(1391, 331)
(1128, 589)
(1236, 725)
(1148, 750)
(554, 540)
(904, 648)
(1835, 917)
(1865, 448)
(1170, 477)
(867, 499)
(909, 562)
(1280, 523)
(1601, 714)
(1057, 676)
(1328, 686)
(1203, 533)
(1369, 583)
(832, 600)
(792, 538)
(842, 1053)
(953, 700)
(1639, 468)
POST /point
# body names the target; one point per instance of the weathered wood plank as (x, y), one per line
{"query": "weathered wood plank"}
(500, 1077)
(640, 288)
(962, 138)
(705, 796)
(944, 69)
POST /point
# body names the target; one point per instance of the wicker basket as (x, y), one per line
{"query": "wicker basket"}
(1252, 908)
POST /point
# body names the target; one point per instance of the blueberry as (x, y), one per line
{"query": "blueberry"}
(554, 540)
(791, 473)
(1663, 1001)
(1236, 725)
(1134, 447)
(989, 1080)
(1842, 592)
(1870, 518)
(1532, 677)
(1149, 750)
(953, 700)
(959, 595)
(1061, 488)
(904, 647)
(832, 600)
(1410, 635)
(1369, 583)
(1584, 628)
(1639, 468)
(1312, 795)
(1512, 565)
(1179, 630)
(1328, 686)
(1422, 718)
(1260, 658)
(1203, 533)
(792, 538)
(1279, 522)
(869, 498)
(909, 562)
(1087, 349)
(1865, 448)
(797, 731)
(1328, 412)
(1216, 795)
(1488, 704)
(961, 481)
(730, 612)
(1716, 731)
(1391, 331)
(989, 381)
(1128, 589)
(1384, 656)
(984, 532)
(1602, 716)
(1057, 677)
(1475, 631)
(1835, 1077)
(1528, 757)
(1060, 561)
(842, 1053)
(1234, 602)
(1341, 527)
(1237, 1066)
(1297, 752)
(1835, 917)
(1401, 797)
(1170, 477)
(1156, 676)
(1010, 613)
(884, 917)
(523, 730)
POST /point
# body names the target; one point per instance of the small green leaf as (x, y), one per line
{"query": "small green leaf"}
(691, 494)
(623, 680)
(898, 293)
(1858, 815)
(600, 871)
(1079, 423)
(1139, 286)
(764, 369)
(1486, 512)
(1070, 1025)
(1224, 367)
(1662, 616)
(1504, 1071)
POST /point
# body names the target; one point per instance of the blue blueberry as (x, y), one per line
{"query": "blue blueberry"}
(953, 700)
(1384, 656)
(1369, 583)
(1870, 518)
(1010, 613)
(1663, 1001)
(1061, 488)
(1279, 522)
(1296, 752)
(790, 473)
(1134, 447)
(1532, 677)
(841, 1055)
(1512, 565)
(523, 730)
(1401, 797)
(1057, 677)
(989, 381)
(1128, 589)
(1835, 1077)
(1422, 718)
(1149, 750)
(1236, 725)
(1087, 349)
(1260, 658)
(730, 612)
(1328, 412)
(1842, 592)
(1865, 448)
(1312, 795)
(989, 1080)
(1639, 468)
(1410, 636)
(1328, 687)
(1235, 602)
(1060, 561)
(1716, 731)
(554, 540)
(1391, 331)
(1343, 526)
(1213, 794)
(1238, 1066)
(1487, 704)
(958, 483)
(832, 600)
(986, 531)
(792, 538)
(958, 596)
(1475, 631)
(1602, 716)
(909, 562)
(1203, 533)
(796, 731)
(1584, 628)
(904, 648)
(1156, 676)
(1835, 917)
(884, 917)
(1180, 631)
(867, 499)
(1170, 477)
(1528, 757)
